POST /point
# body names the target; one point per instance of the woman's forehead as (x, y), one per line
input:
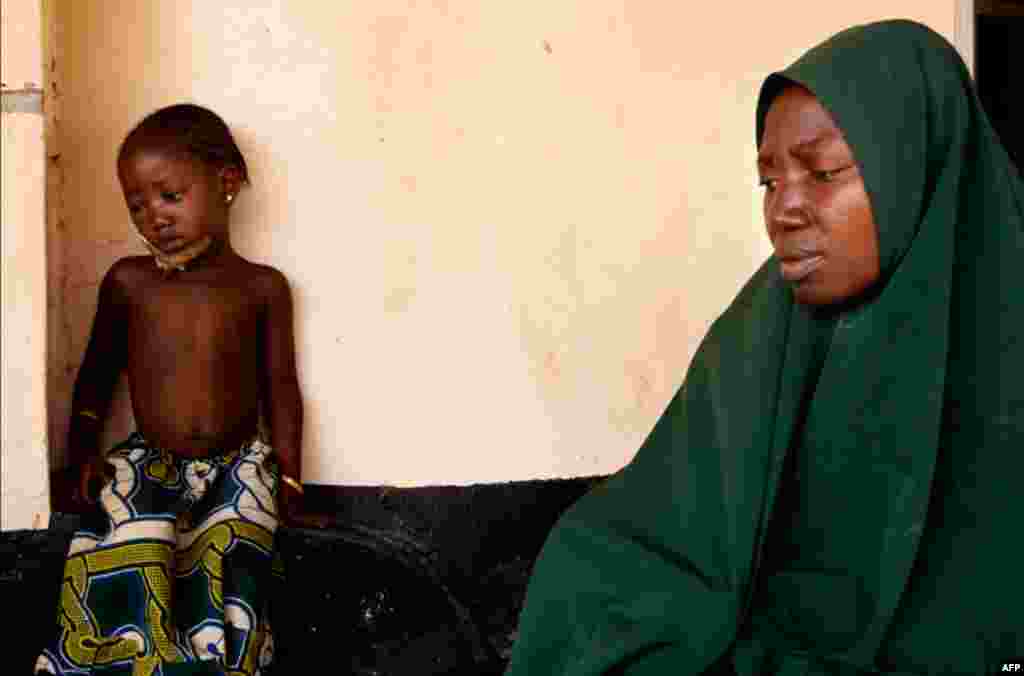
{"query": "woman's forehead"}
(797, 120)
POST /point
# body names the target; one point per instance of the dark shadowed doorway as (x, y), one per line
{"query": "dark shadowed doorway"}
(999, 58)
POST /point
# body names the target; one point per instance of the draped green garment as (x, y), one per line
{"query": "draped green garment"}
(830, 494)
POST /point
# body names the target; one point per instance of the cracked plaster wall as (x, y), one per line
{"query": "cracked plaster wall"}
(507, 225)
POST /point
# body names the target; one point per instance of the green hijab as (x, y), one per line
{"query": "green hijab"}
(830, 494)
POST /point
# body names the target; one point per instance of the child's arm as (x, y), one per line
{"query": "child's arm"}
(97, 377)
(282, 397)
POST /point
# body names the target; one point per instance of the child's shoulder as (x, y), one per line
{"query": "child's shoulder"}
(267, 281)
(268, 277)
(130, 269)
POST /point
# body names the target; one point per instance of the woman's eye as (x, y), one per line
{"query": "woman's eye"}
(827, 175)
(171, 196)
(767, 183)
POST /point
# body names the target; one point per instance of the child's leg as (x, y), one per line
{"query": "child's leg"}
(224, 562)
(115, 603)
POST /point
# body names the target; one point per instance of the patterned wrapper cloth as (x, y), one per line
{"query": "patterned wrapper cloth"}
(176, 581)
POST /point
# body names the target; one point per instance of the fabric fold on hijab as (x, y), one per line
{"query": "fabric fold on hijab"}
(904, 416)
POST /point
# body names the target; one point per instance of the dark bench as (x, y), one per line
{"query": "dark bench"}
(404, 581)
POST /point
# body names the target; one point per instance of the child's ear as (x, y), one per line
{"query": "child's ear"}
(230, 180)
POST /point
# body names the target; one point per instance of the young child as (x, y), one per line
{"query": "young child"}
(172, 580)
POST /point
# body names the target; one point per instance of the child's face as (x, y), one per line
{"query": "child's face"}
(173, 200)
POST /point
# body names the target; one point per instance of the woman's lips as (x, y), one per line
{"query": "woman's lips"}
(797, 269)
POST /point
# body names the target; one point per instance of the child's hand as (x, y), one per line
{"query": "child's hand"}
(92, 475)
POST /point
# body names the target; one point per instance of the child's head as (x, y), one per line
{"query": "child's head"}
(180, 169)
(190, 131)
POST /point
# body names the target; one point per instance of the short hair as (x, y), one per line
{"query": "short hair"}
(189, 129)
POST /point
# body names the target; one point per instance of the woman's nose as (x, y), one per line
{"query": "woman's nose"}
(787, 208)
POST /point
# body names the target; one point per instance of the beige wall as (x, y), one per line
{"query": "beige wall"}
(507, 225)
(24, 490)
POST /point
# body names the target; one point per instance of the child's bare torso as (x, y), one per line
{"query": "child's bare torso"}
(194, 358)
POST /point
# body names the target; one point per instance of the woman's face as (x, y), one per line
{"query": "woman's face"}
(816, 209)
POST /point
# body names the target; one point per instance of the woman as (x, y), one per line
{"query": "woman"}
(834, 488)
